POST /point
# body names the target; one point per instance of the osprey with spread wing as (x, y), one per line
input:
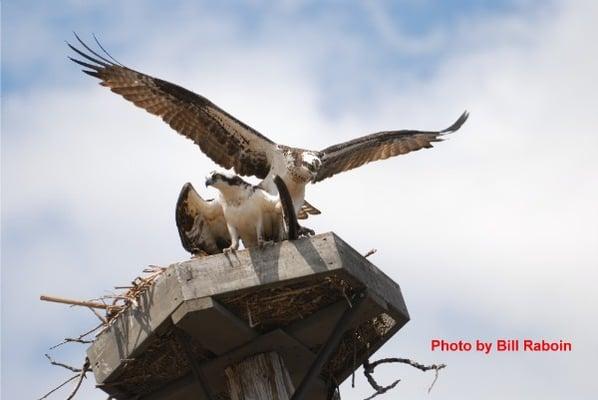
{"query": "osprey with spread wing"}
(234, 145)
(240, 211)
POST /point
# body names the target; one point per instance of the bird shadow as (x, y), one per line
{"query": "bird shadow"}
(269, 261)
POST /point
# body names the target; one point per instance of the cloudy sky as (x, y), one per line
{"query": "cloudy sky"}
(491, 234)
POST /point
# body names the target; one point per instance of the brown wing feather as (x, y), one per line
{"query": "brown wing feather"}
(226, 140)
(378, 146)
(288, 210)
(200, 223)
(306, 210)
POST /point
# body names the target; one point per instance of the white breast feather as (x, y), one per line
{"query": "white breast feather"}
(246, 213)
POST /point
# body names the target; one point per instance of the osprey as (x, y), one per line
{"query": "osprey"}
(202, 225)
(234, 145)
(251, 213)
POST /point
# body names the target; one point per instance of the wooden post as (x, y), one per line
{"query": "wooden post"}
(260, 377)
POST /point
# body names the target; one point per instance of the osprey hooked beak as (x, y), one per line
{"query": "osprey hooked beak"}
(210, 180)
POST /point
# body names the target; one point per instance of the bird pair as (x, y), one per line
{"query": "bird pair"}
(241, 211)
(235, 145)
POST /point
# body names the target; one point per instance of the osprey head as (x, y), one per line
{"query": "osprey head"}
(223, 180)
(303, 165)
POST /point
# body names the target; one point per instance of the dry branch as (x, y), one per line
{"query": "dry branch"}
(80, 375)
(78, 339)
(59, 364)
(120, 302)
(368, 370)
(84, 369)
(97, 314)
(45, 396)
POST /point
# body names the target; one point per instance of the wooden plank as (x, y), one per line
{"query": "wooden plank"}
(260, 377)
(280, 262)
(212, 325)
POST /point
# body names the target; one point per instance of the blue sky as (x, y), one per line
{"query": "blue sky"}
(490, 234)
(252, 24)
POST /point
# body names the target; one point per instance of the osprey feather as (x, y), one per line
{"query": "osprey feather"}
(202, 226)
(234, 145)
(251, 213)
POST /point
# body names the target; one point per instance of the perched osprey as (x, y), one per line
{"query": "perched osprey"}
(202, 225)
(233, 144)
(251, 213)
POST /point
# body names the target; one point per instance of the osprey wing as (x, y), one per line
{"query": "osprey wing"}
(200, 223)
(288, 210)
(378, 146)
(306, 210)
(226, 140)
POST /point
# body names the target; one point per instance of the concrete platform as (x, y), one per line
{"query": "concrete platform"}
(287, 298)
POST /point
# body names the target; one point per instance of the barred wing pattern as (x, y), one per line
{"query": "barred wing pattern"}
(226, 140)
(378, 146)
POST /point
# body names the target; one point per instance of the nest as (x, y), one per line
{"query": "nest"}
(355, 345)
(163, 361)
(277, 307)
(131, 295)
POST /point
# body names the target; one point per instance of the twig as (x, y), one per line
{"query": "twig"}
(59, 364)
(78, 339)
(45, 396)
(370, 252)
(97, 314)
(368, 370)
(72, 340)
(84, 370)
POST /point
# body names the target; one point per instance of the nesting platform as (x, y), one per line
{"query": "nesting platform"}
(285, 298)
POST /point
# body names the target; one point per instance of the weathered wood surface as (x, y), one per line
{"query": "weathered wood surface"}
(297, 357)
(127, 335)
(212, 325)
(187, 296)
(321, 254)
(260, 377)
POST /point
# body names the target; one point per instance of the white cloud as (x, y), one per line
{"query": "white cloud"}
(493, 233)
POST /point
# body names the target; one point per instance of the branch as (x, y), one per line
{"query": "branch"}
(59, 364)
(368, 370)
(78, 339)
(80, 374)
(97, 314)
(84, 370)
(45, 396)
